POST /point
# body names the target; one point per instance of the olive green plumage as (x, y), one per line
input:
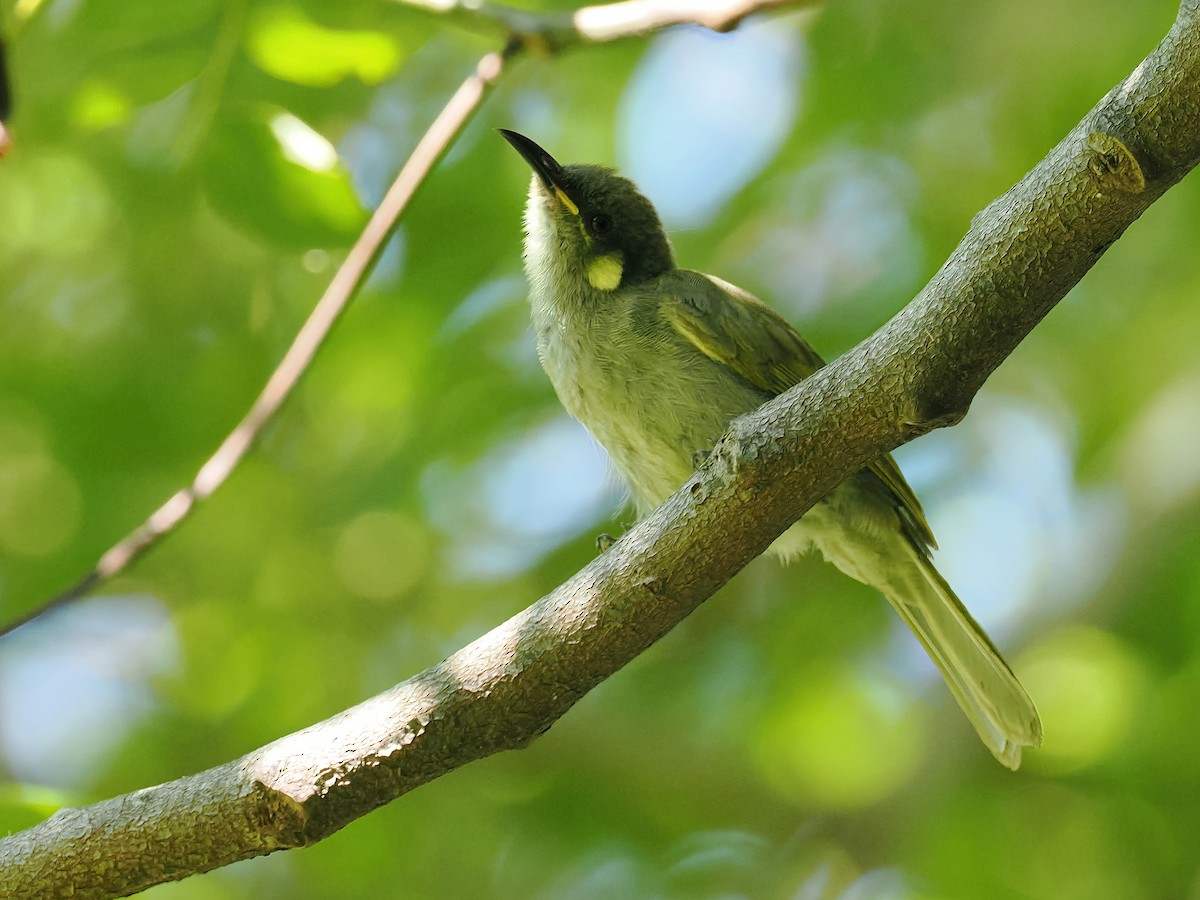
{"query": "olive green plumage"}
(656, 361)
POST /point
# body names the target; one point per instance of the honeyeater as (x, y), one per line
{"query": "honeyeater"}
(656, 361)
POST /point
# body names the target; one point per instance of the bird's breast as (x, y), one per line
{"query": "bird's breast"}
(644, 392)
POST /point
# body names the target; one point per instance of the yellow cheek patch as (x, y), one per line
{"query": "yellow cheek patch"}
(604, 272)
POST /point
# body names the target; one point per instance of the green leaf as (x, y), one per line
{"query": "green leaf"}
(284, 43)
(270, 173)
(124, 25)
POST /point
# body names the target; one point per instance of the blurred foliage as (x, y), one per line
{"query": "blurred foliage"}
(187, 175)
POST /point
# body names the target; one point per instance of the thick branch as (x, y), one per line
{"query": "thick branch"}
(921, 370)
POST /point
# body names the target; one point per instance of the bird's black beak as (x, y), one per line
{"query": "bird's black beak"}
(543, 164)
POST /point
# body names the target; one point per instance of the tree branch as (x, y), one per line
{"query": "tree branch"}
(548, 32)
(920, 371)
(552, 32)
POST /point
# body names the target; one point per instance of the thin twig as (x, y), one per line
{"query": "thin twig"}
(555, 31)
(617, 20)
(209, 84)
(5, 102)
(546, 32)
(453, 118)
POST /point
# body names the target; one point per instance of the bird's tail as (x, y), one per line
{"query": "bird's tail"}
(977, 675)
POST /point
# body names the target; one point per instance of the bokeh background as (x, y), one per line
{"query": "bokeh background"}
(187, 176)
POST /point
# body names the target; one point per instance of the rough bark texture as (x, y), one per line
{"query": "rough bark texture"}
(920, 371)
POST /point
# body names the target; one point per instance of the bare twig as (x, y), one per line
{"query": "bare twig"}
(616, 20)
(5, 102)
(453, 118)
(548, 31)
(555, 31)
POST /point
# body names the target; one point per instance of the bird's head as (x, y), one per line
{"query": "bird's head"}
(589, 223)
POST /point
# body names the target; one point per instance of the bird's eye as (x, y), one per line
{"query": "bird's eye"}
(601, 224)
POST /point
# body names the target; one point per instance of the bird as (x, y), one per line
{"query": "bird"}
(656, 361)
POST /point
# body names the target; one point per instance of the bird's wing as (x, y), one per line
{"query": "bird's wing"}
(735, 328)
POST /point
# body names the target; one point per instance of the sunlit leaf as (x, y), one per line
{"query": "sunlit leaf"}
(283, 42)
(271, 173)
(99, 105)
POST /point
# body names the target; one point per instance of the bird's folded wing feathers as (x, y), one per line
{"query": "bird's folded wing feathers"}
(735, 328)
